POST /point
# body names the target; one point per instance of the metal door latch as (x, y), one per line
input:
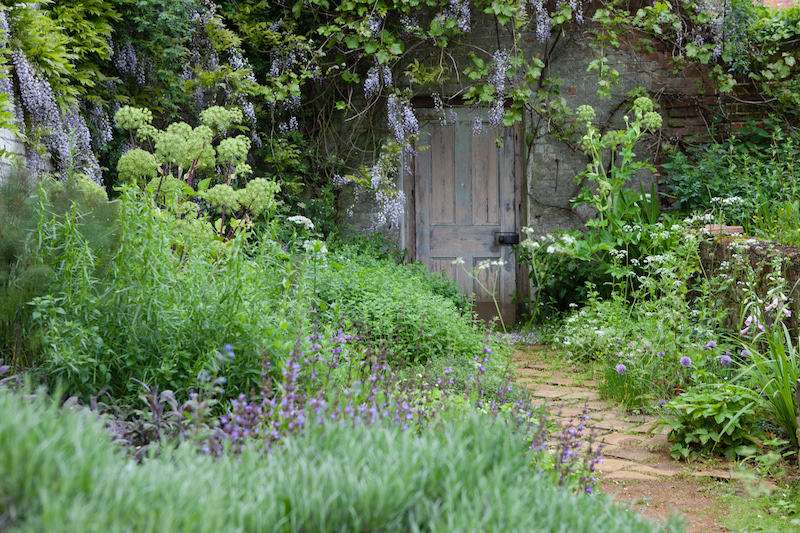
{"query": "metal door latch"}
(507, 238)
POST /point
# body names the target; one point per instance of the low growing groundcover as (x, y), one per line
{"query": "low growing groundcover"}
(61, 472)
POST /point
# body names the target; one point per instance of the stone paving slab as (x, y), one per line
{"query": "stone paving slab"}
(638, 455)
(630, 475)
(564, 382)
(660, 470)
(719, 473)
(657, 442)
(595, 405)
(612, 465)
(567, 412)
(587, 394)
(644, 428)
(530, 372)
(606, 413)
(621, 439)
(610, 424)
(551, 394)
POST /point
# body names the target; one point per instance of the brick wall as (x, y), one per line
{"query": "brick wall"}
(780, 4)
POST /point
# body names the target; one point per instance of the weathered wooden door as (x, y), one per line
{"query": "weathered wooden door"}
(465, 207)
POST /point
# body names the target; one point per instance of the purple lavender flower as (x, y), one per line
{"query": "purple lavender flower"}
(621, 369)
(725, 360)
(686, 361)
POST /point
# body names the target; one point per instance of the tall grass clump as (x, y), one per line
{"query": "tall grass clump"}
(61, 473)
(160, 313)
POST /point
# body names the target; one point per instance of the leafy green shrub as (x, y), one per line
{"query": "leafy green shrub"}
(438, 283)
(750, 180)
(61, 472)
(395, 306)
(717, 418)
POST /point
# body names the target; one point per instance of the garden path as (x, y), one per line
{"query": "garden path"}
(637, 468)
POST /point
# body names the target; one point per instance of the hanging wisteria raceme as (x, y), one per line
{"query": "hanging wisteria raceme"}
(36, 93)
(543, 20)
(67, 137)
(40, 102)
(391, 206)
(79, 140)
(377, 76)
(477, 126)
(577, 10)
(6, 83)
(715, 10)
(410, 25)
(438, 105)
(102, 125)
(402, 120)
(5, 30)
(128, 63)
(375, 22)
(237, 61)
(499, 78)
(340, 181)
(459, 11)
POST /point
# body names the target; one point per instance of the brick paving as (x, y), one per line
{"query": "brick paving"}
(632, 450)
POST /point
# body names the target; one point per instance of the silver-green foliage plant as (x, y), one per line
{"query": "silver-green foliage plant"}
(61, 472)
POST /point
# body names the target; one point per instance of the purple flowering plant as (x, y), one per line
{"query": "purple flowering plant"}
(342, 381)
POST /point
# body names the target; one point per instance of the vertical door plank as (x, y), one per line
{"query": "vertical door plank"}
(442, 201)
(485, 209)
(487, 277)
(463, 170)
(423, 186)
(445, 264)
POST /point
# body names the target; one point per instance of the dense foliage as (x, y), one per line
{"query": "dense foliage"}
(312, 78)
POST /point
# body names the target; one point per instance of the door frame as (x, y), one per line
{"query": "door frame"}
(409, 233)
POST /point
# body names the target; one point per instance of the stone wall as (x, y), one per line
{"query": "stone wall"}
(685, 98)
(12, 145)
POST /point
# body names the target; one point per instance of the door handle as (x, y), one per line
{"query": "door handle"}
(507, 238)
